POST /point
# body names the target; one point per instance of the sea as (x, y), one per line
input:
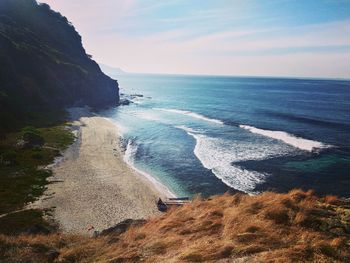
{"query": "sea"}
(207, 135)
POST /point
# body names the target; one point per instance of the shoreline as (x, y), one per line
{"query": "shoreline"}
(154, 181)
(92, 185)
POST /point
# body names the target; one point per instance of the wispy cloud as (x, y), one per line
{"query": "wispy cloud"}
(218, 37)
(333, 35)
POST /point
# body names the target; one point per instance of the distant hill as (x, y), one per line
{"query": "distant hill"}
(43, 64)
(111, 71)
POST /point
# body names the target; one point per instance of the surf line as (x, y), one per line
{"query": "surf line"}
(297, 142)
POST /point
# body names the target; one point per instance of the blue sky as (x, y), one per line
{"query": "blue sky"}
(247, 37)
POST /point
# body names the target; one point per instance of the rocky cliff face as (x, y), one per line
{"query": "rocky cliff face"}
(43, 64)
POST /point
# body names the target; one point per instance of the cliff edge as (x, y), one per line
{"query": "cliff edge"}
(43, 64)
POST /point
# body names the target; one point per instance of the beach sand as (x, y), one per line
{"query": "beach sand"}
(93, 186)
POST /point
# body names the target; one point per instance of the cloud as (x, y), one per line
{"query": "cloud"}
(322, 38)
(207, 37)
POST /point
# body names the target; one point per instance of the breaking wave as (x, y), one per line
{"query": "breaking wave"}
(130, 152)
(297, 142)
(129, 158)
(192, 114)
(220, 156)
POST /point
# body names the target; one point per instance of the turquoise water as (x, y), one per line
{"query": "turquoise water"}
(209, 135)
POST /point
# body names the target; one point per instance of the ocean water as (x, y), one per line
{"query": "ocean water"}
(209, 135)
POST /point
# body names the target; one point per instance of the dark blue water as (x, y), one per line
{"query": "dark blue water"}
(210, 135)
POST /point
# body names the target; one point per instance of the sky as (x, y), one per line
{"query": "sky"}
(303, 38)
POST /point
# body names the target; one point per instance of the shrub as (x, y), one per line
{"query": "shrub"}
(37, 156)
(32, 136)
(8, 158)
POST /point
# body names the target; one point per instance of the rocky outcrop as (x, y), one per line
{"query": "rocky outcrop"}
(122, 227)
(43, 64)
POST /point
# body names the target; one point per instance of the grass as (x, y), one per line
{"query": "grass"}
(20, 222)
(22, 176)
(19, 186)
(293, 227)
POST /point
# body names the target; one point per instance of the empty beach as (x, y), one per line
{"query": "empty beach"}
(92, 186)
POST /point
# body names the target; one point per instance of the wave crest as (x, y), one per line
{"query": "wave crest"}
(192, 114)
(130, 152)
(129, 158)
(297, 142)
(219, 156)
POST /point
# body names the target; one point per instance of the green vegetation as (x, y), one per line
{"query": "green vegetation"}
(22, 176)
(19, 186)
(22, 221)
(32, 137)
(43, 69)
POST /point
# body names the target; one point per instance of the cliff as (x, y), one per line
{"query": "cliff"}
(43, 64)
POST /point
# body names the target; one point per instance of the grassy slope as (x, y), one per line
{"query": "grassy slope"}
(22, 181)
(293, 227)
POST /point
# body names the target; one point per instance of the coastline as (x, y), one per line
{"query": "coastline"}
(92, 185)
(161, 188)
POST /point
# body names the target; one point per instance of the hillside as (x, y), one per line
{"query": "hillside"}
(43, 69)
(43, 65)
(293, 227)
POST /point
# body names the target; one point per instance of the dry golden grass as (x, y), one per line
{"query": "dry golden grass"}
(293, 227)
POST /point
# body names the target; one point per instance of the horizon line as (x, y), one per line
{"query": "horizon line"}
(234, 76)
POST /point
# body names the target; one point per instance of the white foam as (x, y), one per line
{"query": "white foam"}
(129, 158)
(220, 156)
(301, 143)
(138, 102)
(130, 152)
(192, 114)
(187, 129)
(150, 116)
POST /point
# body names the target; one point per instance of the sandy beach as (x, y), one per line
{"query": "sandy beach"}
(93, 186)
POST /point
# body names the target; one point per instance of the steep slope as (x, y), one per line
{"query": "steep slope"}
(43, 64)
(293, 227)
